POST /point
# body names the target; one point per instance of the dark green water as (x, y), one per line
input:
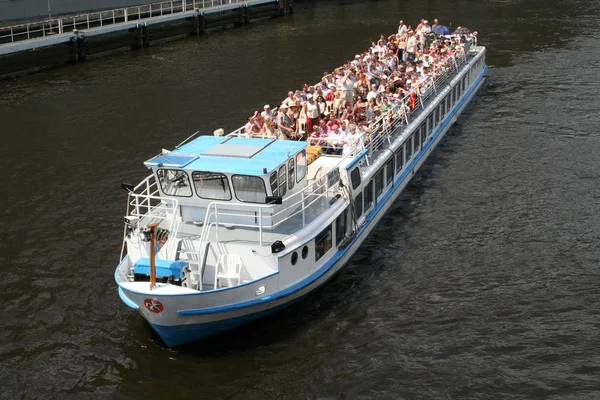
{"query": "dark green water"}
(482, 281)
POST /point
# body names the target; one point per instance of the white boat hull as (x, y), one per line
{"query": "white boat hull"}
(185, 317)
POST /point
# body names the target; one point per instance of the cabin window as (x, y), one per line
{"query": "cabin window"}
(250, 189)
(355, 178)
(273, 183)
(447, 104)
(399, 159)
(300, 165)
(378, 183)
(368, 196)
(417, 140)
(323, 242)
(429, 125)
(282, 181)
(211, 185)
(423, 133)
(358, 205)
(442, 109)
(435, 117)
(340, 227)
(291, 171)
(389, 171)
(174, 182)
(409, 148)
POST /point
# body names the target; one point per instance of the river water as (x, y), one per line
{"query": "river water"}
(481, 282)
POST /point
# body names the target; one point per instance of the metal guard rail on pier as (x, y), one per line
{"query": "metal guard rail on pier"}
(37, 29)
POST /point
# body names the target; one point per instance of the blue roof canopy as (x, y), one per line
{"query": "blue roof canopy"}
(230, 155)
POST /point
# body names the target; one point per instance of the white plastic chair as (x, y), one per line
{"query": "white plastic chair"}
(228, 268)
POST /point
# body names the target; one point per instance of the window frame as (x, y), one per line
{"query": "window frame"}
(322, 238)
(251, 176)
(178, 170)
(353, 176)
(303, 167)
(409, 148)
(341, 225)
(359, 210)
(291, 170)
(399, 165)
(274, 189)
(283, 174)
(389, 178)
(368, 201)
(379, 176)
(212, 198)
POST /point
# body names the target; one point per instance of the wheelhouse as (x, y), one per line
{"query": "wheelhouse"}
(230, 170)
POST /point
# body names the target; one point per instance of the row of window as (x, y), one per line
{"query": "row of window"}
(212, 185)
(281, 180)
(247, 188)
(366, 199)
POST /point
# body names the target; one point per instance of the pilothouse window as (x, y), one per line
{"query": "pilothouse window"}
(211, 185)
(282, 181)
(250, 189)
(174, 182)
(300, 165)
(291, 171)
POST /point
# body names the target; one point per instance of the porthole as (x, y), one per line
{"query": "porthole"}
(304, 252)
(294, 258)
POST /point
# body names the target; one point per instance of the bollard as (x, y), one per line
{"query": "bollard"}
(81, 48)
(145, 36)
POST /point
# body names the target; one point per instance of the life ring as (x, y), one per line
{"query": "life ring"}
(154, 306)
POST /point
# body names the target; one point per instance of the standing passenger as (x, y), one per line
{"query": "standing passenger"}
(284, 123)
(311, 110)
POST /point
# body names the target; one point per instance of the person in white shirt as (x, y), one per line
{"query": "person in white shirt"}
(401, 28)
(268, 113)
(336, 140)
(347, 86)
(311, 110)
(353, 140)
(425, 33)
(372, 93)
(411, 46)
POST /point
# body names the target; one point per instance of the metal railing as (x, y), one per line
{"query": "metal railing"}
(308, 204)
(145, 202)
(384, 126)
(66, 24)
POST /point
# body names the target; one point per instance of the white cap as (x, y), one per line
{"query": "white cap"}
(219, 132)
(267, 106)
(283, 106)
(309, 96)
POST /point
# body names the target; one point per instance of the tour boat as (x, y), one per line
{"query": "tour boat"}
(227, 229)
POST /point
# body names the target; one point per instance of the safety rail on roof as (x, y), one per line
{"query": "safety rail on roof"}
(59, 25)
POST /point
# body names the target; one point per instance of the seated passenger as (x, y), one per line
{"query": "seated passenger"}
(336, 140)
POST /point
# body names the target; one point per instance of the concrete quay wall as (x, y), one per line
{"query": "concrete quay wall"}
(128, 32)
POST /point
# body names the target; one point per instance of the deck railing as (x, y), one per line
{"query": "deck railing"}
(60, 25)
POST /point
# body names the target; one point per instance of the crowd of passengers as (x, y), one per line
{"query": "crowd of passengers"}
(338, 113)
